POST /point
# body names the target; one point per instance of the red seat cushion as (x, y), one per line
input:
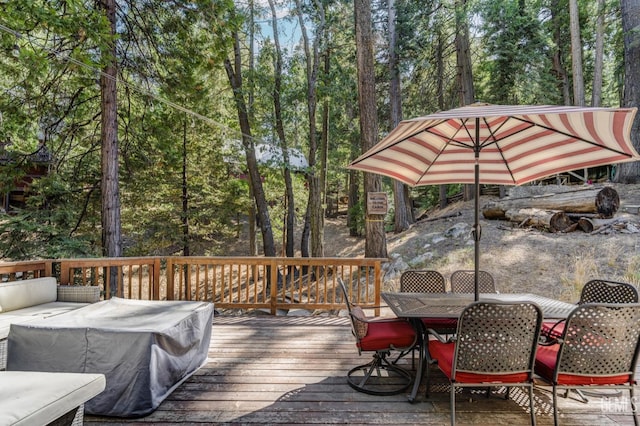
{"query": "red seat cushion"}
(553, 329)
(387, 334)
(440, 323)
(546, 357)
(444, 353)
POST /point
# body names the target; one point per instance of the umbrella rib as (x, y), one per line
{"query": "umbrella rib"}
(569, 135)
(495, 141)
(373, 152)
(451, 140)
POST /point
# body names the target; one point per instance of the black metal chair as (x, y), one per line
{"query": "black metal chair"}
(426, 281)
(380, 336)
(598, 349)
(422, 281)
(594, 291)
(463, 281)
(494, 345)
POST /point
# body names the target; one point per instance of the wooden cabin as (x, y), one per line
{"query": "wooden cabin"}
(27, 169)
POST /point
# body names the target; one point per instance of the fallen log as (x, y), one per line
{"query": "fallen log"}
(582, 201)
(535, 218)
(562, 222)
(607, 202)
(595, 201)
(591, 224)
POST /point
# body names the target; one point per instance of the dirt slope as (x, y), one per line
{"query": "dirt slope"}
(521, 260)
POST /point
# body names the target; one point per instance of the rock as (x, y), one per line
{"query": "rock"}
(299, 313)
(419, 261)
(458, 230)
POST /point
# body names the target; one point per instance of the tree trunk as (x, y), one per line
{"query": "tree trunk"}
(596, 95)
(324, 141)
(289, 222)
(401, 205)
(252, 223)
(440, 73)
(354, 216)
(576, 54)
(111, 223)
(559, 69)
(463, 55)
(234, 75)
(315, 211)
(354, 199)
(375, 242)
(185, 194)
(630, 9)
(465, 71)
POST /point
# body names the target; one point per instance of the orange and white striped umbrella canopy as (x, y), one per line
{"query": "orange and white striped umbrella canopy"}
(512, 144)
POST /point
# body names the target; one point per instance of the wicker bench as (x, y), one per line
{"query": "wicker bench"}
(32, 299)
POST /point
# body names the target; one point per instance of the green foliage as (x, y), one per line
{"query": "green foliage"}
(176, 110)
(515, 64)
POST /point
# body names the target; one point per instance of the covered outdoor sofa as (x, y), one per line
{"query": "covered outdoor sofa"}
(145, 349)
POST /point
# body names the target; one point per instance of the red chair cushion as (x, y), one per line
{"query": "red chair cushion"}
(388, 334)
(546, 358)
(553, 329)
(440, 323)
(444, 353)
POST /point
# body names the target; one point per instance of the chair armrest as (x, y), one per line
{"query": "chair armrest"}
(547, 336)
(440, 337)
(78, 293)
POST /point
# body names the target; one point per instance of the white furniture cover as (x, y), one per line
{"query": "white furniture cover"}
(144, 348)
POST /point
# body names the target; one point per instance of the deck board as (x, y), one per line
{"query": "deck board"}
(291, 371)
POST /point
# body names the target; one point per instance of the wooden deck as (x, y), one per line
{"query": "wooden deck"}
(291, 371)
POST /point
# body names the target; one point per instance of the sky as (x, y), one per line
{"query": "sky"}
(288, 28)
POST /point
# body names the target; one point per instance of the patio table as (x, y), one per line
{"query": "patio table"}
(415, 306)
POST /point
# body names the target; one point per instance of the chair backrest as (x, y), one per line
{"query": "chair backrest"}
(605, 291)
(600, 339)
(425, 281)
(359, 327)
(463, 282)
(497, 338)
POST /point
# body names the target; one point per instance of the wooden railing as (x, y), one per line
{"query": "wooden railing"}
(268, 283)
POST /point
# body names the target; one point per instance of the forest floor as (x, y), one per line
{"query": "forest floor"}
(521, 259)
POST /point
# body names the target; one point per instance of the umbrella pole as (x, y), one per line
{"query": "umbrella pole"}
(476, 232)
(476, 226)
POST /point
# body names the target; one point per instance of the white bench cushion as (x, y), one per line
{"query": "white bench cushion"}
(36, 398)
(21, 294)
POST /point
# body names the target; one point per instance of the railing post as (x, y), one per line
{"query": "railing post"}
(169, 274)
(48, 268)
(186, 270)
(64, 272)
(155, 278)
(273, 278)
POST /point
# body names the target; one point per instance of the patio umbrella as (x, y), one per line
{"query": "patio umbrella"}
(502, 145)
